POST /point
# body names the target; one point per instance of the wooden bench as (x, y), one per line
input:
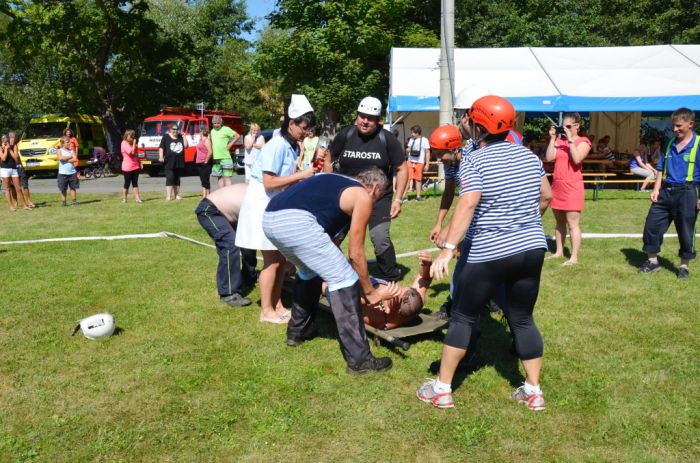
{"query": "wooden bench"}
(600, 183)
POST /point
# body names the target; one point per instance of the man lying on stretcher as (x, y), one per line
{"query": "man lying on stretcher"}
(404, 308)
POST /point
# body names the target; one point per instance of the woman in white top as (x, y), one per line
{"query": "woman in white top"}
(274, 169)
(252, 144)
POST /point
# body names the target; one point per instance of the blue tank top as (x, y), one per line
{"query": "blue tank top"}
(320, 196)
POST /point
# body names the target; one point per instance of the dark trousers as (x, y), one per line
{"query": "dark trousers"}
(478, 282)
(229, 274)
(379, 224)
(204, 171)
(347, 311)
(677, 204)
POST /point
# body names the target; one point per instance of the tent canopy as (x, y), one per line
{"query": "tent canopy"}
(646, 79)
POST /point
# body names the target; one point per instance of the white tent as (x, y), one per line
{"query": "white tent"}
(650, 78)
(597, 79)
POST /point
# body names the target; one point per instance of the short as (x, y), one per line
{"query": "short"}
(642, 172)
(67, 181)
(415, 170)
(222, 168)
(5, 173)
(23, 179)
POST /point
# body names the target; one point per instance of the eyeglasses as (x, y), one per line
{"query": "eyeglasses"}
(173, 129)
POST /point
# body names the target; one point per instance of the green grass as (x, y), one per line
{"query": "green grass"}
(188, 379)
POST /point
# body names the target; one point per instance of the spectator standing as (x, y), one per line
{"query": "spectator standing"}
(131, 166)
(568, 153)
(8, 172)
(363, 145)
(676, 193)
(218, 215)
(204, 161)
(273, 171)
(222, 140)
(67, 173)
(503, 190)
(23, 178)
(418, 151)
(641, 165)
(171, 153)
(309, 150)
(252, 144)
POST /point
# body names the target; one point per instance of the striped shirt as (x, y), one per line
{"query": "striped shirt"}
(507, 219)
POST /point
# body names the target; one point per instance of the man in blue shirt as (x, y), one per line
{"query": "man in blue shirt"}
(675, 195)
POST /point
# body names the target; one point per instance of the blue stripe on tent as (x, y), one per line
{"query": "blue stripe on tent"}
(557, 103)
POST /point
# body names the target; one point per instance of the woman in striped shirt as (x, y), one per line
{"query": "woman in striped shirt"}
(503, 192)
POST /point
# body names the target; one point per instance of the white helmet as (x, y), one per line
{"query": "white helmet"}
(370, 106)
(97, 326)
(466, 98)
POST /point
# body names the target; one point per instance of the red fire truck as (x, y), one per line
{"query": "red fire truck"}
(190, 123)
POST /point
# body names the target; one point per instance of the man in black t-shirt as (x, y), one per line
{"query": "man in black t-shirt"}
(363, 145)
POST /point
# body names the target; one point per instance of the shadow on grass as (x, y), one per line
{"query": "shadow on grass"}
(91, 201)
(374, 270)
(492, 348)
(635, 258)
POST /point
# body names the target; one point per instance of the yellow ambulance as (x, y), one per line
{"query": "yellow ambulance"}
(42, 135)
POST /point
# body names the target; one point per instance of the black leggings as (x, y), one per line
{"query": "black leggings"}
(479, 282)
(131, 178)
(172, 176)
(204, 170)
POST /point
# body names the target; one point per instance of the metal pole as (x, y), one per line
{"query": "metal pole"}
(447, 78)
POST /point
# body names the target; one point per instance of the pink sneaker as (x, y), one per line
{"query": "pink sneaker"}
(534, 402)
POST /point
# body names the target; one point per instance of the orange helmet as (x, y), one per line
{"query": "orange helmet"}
(494, 113)
(446, 137)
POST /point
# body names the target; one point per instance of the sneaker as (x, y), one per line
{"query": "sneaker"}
(683, 273)
(235, 300)
(534, 402)
(374, 364)
(649, 267)
(444, 312)
(178, 197)
(74, 202)
(427, 394)
(421, 199)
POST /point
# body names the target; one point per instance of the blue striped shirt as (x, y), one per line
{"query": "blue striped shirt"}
(507, 219)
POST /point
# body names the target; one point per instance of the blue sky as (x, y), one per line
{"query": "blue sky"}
(257, 10)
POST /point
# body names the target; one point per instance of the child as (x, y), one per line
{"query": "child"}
(67, 173)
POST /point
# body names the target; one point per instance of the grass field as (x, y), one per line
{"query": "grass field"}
(189, 379)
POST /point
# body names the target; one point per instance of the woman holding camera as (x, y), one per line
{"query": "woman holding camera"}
(568, 150)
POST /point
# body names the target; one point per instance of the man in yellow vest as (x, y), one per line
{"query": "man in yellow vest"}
(675, 195)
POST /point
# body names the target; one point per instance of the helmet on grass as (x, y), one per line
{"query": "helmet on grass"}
(445, 137)
(97, 326)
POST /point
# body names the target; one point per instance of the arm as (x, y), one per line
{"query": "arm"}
(551, 153)
(273, 182)
(160, 154)
(578, 152)
(427, 161)
(210, 151)
(401, 183)
(248, 142)
(448, 195)
(462, 217)
(260, 143)
(3, 152)
(423, 279)
(233, 141)
(545, 194)
(657, 188)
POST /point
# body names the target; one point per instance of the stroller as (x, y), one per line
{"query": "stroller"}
(99, 165)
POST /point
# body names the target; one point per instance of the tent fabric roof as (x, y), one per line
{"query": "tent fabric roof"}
(646, 78)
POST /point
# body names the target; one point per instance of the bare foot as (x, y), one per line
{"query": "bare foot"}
(27, 208)
(276, 319)
(554, 256)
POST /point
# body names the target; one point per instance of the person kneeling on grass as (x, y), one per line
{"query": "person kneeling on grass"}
(300, 222)
(218, 215)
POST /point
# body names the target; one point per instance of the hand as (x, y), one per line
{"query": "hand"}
(570, 134)
(308, 172)
(440, 267)
(383, 293)
(654, 195)
(425, 258)
(441, 238)
(552, 131)
(160, 159)
(434, 232)
(395, 208)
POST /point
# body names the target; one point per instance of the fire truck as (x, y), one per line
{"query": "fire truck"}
(190, 123)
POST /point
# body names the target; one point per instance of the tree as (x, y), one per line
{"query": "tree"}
(336, 51)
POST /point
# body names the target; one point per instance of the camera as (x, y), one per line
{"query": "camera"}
(560, 131)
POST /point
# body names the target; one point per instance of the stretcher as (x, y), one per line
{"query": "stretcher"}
(425, 323)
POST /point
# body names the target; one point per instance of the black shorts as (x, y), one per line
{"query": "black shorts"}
(23, 179)
(66, 181)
